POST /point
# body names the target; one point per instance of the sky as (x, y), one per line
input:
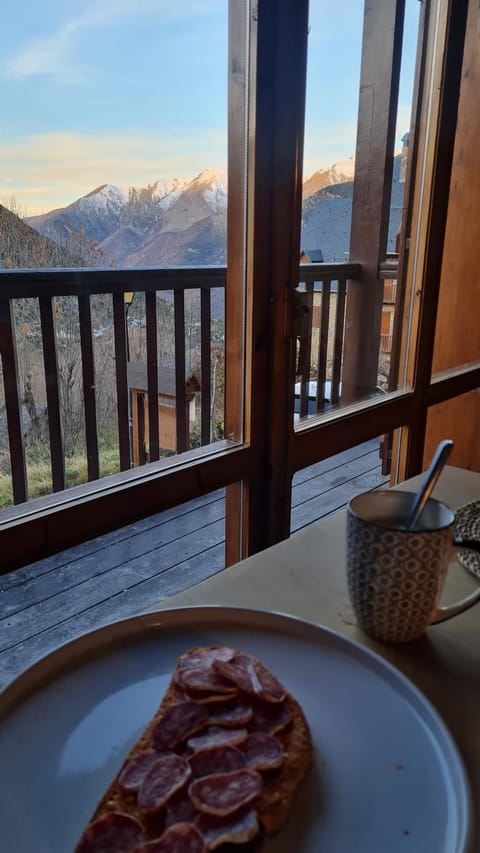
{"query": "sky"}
(126, 92)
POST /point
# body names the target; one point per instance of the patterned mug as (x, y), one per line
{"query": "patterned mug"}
(396, 576)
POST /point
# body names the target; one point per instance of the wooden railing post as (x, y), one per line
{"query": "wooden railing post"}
(47, 317)
(121, 380)
(12, 402)
(89, 391)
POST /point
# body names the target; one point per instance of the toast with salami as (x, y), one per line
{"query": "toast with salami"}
(218, 764)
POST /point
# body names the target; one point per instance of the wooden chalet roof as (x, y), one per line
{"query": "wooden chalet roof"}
(138, 379)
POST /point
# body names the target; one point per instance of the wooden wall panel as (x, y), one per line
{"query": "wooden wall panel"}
(459, 298)
(457, 419)
(459, 301)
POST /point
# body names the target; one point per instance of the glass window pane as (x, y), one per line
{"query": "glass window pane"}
(327, 285)
(115, 147)
(114, 132)
(333, 76)
(111, 577)
(327, 486)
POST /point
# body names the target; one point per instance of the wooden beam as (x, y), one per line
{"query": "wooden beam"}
(435, 231)
(236, 250)
(377, 114)
(50, 524)
(273, 250)
(349, 428)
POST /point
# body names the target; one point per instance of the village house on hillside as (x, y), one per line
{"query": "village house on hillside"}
(311, 256)
(167, 409)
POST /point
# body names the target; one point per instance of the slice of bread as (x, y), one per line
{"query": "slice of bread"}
(272, 710)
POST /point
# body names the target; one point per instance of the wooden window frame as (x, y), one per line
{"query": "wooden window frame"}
(259, 470)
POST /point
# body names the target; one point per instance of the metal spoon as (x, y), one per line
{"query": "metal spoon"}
(435, 469)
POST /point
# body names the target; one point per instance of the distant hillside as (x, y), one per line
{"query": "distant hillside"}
(184, 221)
(201, 244)
(22, 247)
(327, 214)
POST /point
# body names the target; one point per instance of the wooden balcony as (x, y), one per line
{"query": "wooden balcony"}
(117, 574)
(43, 289)
(132, 569)
(320, 355)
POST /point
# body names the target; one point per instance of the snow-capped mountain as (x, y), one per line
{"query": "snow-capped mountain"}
(340, 173)
(123, 217)
(182, 221)
(203, 196)
(96, 214)
(327, 214)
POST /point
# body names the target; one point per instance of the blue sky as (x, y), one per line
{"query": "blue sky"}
(129, 91)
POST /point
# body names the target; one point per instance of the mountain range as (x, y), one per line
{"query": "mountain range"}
(182, 221)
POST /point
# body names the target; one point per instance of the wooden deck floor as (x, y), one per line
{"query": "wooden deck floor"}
(118, 575)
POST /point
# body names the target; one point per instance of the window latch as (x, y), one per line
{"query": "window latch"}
(303, 302)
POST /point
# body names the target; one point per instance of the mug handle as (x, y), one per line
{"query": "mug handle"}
(441, 614)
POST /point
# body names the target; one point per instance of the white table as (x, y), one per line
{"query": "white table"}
(305, 576)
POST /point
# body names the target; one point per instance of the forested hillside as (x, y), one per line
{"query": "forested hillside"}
(22, 247)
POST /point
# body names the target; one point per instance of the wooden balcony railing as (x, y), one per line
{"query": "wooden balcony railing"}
(325, 284)
(322, 295)
(386, 343)
(44, 286)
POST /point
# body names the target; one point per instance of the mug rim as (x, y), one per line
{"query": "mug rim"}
(391, 493)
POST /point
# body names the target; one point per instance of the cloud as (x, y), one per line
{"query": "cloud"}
(45, 171)
(50, 55)
(56, 53)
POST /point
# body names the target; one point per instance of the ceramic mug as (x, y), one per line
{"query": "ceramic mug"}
(396, 576)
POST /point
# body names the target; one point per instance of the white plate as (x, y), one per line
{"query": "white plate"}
(386, 777)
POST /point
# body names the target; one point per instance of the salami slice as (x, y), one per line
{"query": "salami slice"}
(230, 714)
(166, 776)
(270, 689)
(177, 723)
(216, 736)
(216, 759)
(113, 832)
(203, 679)
(180, 809)
(204, 657)
(133, 773)
(238, 829)
(269, 718)
(178, 838)
(224, 793)
(251, 676)
(236, 671)
(262, 752)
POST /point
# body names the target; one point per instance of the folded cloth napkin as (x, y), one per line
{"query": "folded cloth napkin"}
(467, 526)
